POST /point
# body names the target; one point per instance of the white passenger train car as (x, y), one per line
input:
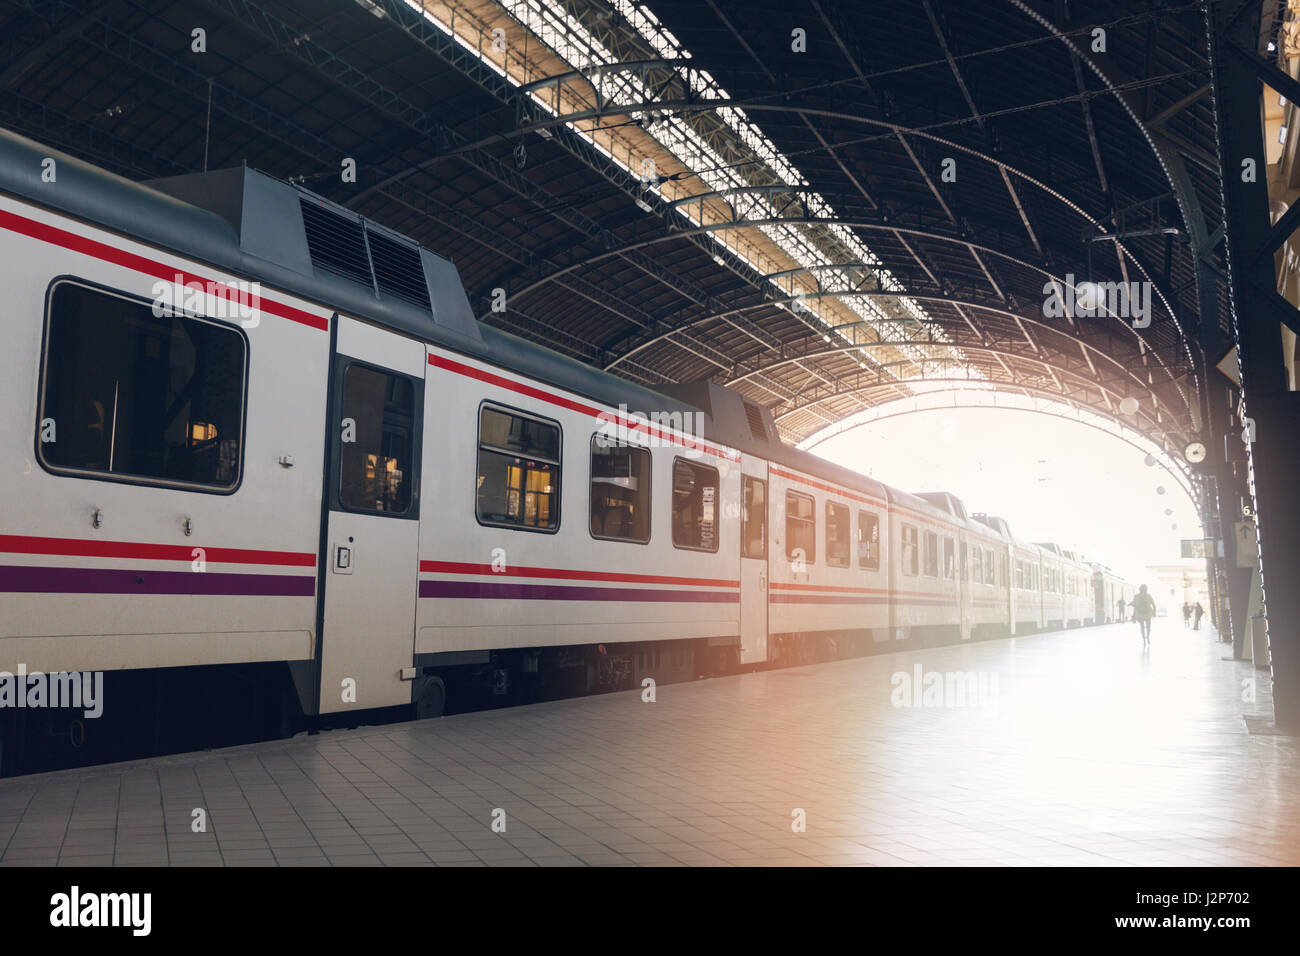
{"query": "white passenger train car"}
(245, 428)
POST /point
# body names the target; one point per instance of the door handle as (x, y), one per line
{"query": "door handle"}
(762, 580)
(342, 559)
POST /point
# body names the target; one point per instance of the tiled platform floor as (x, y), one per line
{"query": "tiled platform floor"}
(1088, 752)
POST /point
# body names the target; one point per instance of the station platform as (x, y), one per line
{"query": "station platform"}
(1070, 748)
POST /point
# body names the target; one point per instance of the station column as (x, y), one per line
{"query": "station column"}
(1271, 416)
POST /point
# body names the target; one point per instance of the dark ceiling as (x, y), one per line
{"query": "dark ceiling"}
(1051, 138)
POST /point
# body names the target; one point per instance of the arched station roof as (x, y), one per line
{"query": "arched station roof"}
(817, 204)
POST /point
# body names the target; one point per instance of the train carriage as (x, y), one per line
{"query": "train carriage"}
(987, 573)
(830, 566)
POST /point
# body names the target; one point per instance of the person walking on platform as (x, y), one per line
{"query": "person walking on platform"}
(1187, 614)
(1144, 609)
(1199, 612)
(1119, 610)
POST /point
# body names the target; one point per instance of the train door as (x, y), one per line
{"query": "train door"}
(1007, 574)
(371, 524)
(754, 510)
(964, 589)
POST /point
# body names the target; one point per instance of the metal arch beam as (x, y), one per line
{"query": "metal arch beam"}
(548, 121)
(1055, 367)
(1089, 351)
(861, 293)
(865, 224)
(1128, 108)
(933, 13)
(984, 343)
(694, 230)
(1009, 387)
(979, 225)
(983, 385)
(1177, 474)
(1187, 203)
(719, 227)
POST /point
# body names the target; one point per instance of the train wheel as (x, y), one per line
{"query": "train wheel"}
(432, 700)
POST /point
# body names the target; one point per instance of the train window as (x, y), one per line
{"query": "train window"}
(375, 461)
(1003, 569)
(620, 491)
(990, 567)
(837, 535)
(1020, 575)
(753, 519)
(911, 545)
(132, 395)
(949, 559)
(868, 540)
(800, 527)
(977, 565)
(931, 554)
(695, 506)
(518, 470)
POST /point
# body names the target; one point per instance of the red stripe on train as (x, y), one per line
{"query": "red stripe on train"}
(811, 483)
(27, 544)
(152, 267)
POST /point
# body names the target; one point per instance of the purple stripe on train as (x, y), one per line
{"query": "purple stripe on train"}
(503, 591)
(34, 580)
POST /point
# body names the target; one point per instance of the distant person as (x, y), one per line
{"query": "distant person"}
(1199, 612)
(1144, 609)
(1119, 610)
(1187, 614)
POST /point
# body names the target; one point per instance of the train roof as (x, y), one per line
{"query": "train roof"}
(995, 524)
(946, 501)
(920, 505)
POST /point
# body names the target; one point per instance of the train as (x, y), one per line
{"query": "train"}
(263, 461)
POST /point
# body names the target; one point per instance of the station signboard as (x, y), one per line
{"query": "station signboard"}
(1202, 548)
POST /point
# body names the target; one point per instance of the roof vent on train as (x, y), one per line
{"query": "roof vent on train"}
(398, 270)
(757, 425)
(993, 521)
(945, 500)
(349, 246)
(737, 422)
(335, 242)
(387, 277)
